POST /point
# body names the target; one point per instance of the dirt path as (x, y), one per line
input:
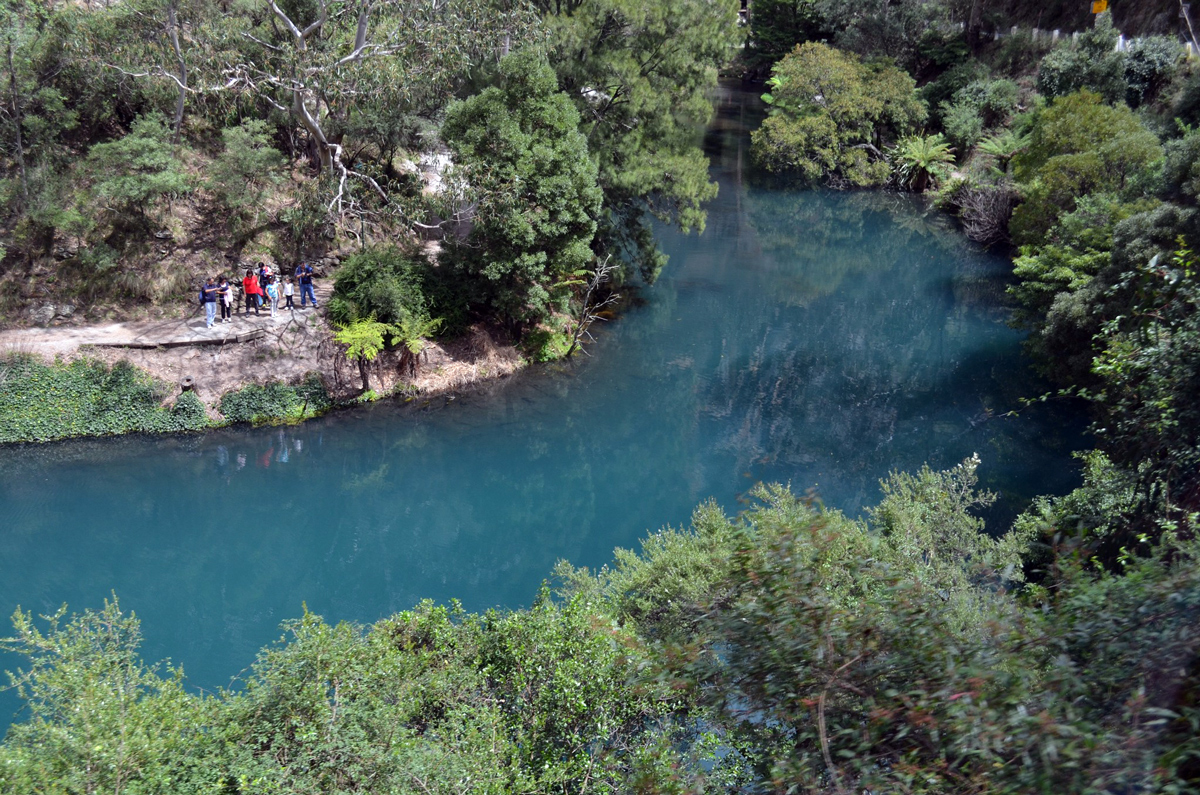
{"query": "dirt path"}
(256, 349)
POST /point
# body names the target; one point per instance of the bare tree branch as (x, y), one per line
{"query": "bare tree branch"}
(590, 311)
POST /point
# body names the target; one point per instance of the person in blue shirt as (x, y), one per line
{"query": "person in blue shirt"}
(304, 274)
(272, 294)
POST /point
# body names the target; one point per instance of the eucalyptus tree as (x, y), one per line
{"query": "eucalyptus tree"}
(320, 62)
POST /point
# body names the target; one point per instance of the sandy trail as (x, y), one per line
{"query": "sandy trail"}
(257, 348)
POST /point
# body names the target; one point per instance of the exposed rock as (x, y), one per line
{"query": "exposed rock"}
(65, 311)
(42, 315)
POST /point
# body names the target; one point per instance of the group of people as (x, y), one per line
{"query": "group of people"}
(261, 288)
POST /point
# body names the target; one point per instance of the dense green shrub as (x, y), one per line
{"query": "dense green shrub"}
(276, 402)
(1093, 64)
(832, 115)
(384, 282)
(245, 171)
(995, 100)
(519, 147)
(963, 124)
(132, 174)
(40, 402)
(1181, 166)
(1078, 146)
(1149, 65)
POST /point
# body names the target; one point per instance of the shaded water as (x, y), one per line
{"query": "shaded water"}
(821, 339)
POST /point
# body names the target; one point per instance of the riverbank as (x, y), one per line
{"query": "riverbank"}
(287, 354)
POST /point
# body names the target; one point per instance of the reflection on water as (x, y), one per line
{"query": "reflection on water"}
(820, 339)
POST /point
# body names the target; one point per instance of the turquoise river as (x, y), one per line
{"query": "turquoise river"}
(815, 338)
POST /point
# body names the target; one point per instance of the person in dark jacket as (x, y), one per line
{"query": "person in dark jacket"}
(305, 275)
(208, 294)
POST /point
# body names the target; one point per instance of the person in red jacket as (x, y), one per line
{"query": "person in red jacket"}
(250, 285)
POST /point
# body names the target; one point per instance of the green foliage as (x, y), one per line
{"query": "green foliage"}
(777, 26)
(1149, 65)
(1181, 168)
(546, 344)
(99, 719)
(572, 704)
(786, 648)
(1076, 251)
(520, 149)
(1093, 64)
(831, 109)
(941, 90)
(922, 161)
(1002, 147)
(381, 281)
(276, 402)
(41, 402)
(885, 690)
(1099, 514)
(979, 105)
(963, 125)
(246, 170)
(894, 30)
(1149, 372)
(366, 338)
(1078, 146)
(641, 76)
(137, 170)
(661, 590)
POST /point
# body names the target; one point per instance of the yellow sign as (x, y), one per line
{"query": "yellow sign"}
(1099, 6)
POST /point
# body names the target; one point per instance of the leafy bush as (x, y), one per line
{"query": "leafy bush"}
(963, 124)
(1067, 157)
(829, 111)
(41, 402)
(545, 344)
(1149, 65)
(1181, 167)
(1093, 64)
(134, 172)
(941, 90)
(978, 105)
(276, 402)
(246, 169)
(384, 282)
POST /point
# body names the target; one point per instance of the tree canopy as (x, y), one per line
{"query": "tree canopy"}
(532, 186)
(833, 114)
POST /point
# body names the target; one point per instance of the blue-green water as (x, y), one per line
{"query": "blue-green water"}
(817, 338)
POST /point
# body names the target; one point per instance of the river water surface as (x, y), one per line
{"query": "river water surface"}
(820, 339)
